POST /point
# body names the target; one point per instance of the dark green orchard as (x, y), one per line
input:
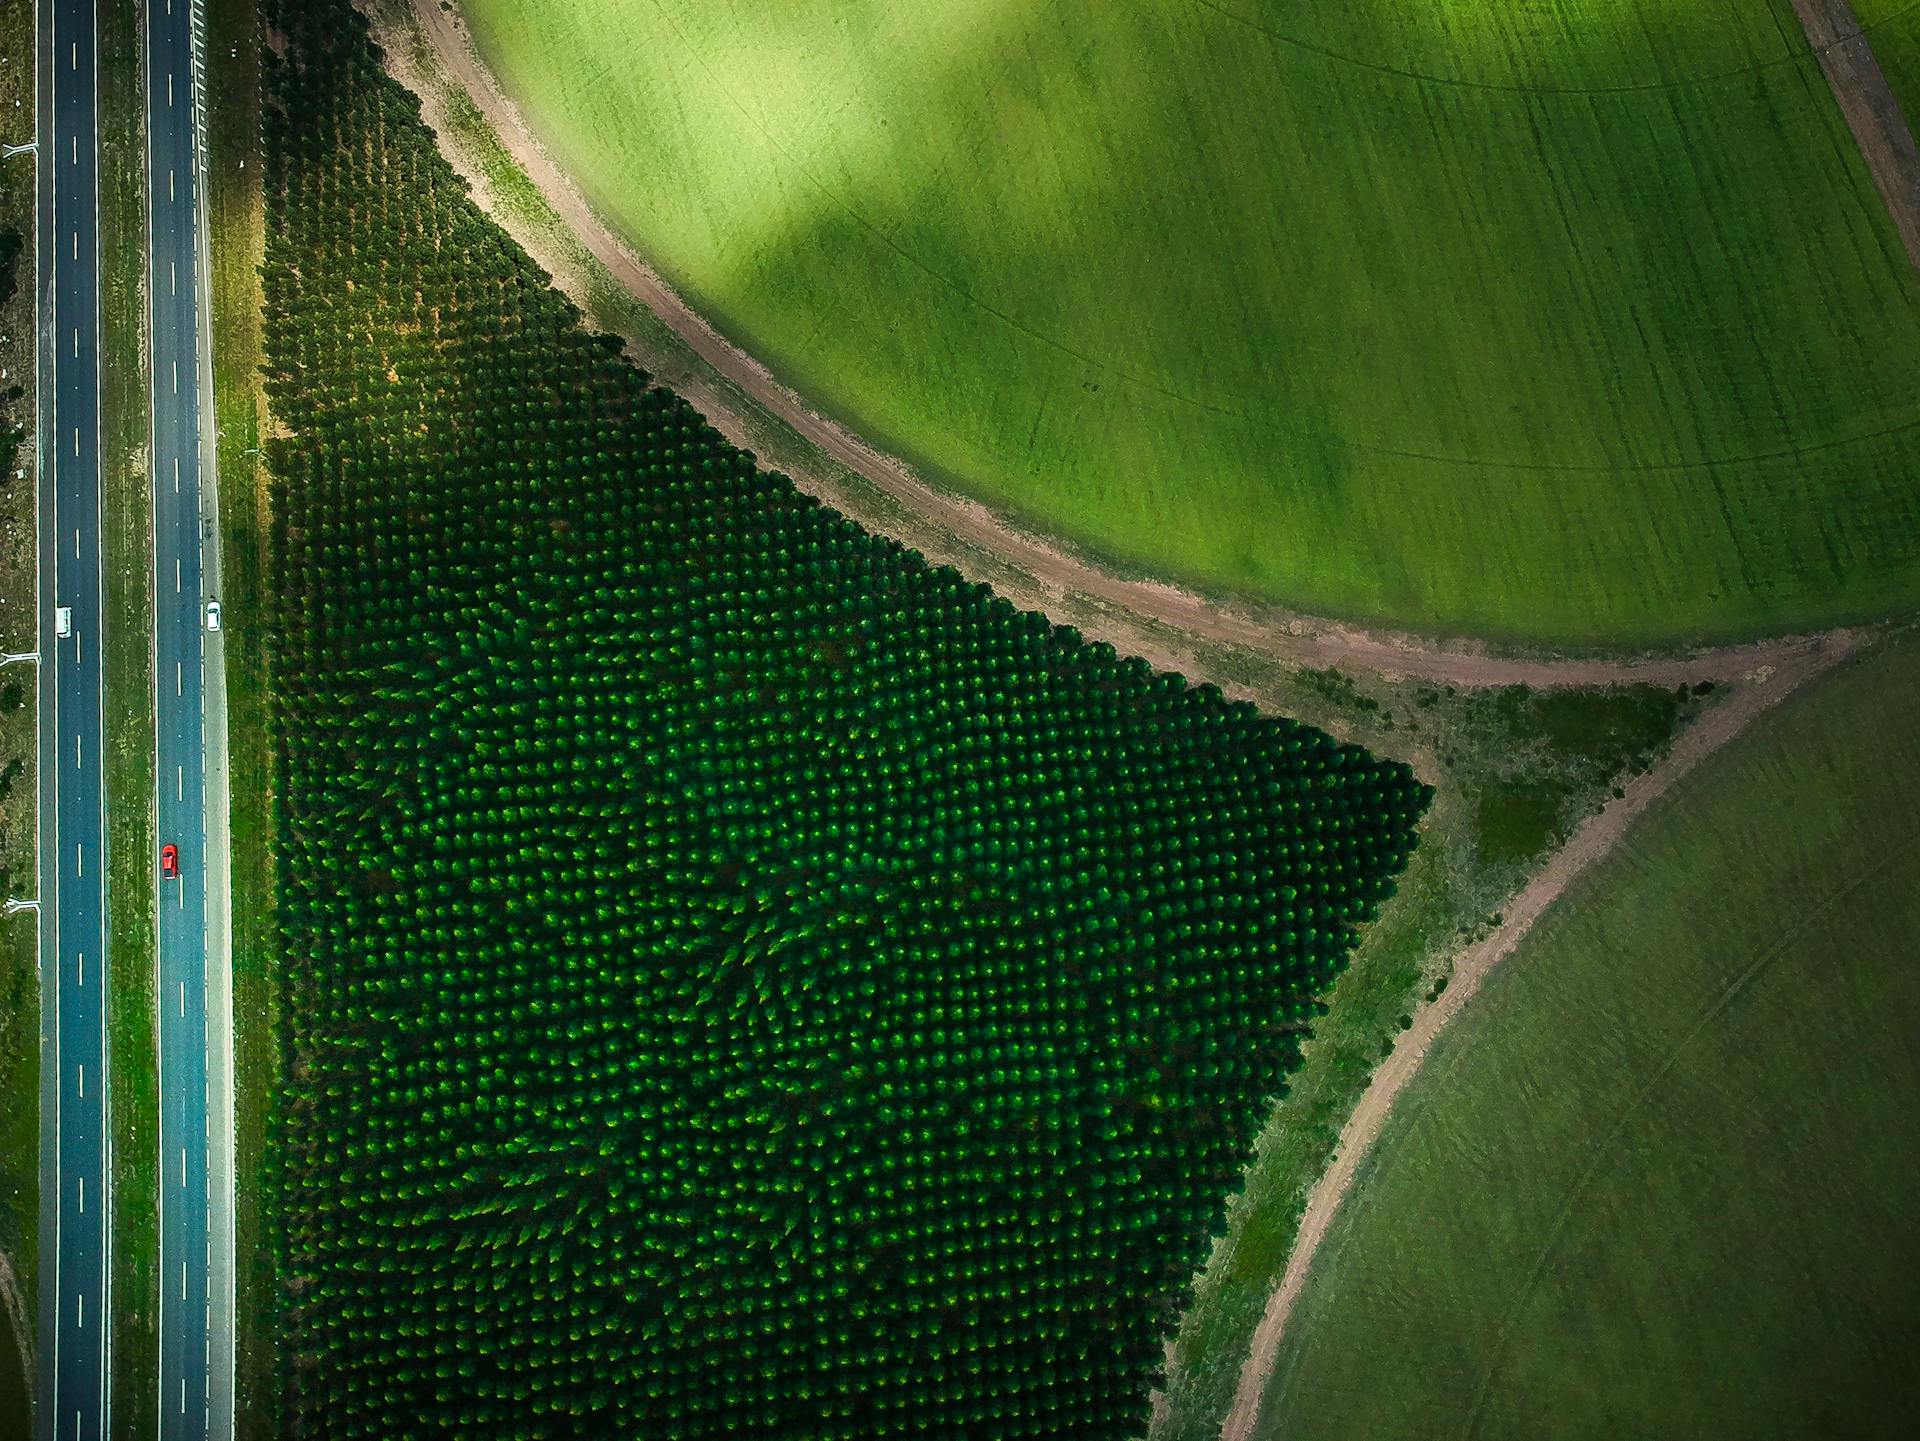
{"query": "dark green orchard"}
(739, 980)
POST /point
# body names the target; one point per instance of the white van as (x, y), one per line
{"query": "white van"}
(63, 621)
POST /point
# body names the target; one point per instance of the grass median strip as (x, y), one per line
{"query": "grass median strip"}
(127, 555)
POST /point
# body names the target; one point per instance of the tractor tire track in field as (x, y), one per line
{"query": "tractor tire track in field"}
(1594, 840)
(1138, 616)
(1873, 114)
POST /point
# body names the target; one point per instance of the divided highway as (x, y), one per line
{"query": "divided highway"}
(194, 1147)
(195, 1177)
(75, 1143)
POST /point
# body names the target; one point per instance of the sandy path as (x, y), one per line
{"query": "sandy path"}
(948, 528)
(1595, 838)
(1873, 114)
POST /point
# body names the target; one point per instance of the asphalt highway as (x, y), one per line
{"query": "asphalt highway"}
(75, 1292)
(192, 983)
(195, 1173)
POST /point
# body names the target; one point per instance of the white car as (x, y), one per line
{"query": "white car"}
(63, 621)
(213, 615)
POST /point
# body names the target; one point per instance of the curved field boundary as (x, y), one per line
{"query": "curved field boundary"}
(947, 527)
(1873, 115)
(1593, 841)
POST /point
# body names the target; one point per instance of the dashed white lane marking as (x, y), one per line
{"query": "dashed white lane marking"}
(76, 545)
(173, 279)
(79, 865)
(176, 678)
(82, 1070)
(176, 475)
(76, 752)
(183, 998)
(179, 783)
(80, 970)
(83, 1195)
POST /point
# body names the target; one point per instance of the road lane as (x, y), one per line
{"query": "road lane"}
(75, 1197)
(195, 1177)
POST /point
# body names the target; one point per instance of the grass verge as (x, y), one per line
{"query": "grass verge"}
(128, 560)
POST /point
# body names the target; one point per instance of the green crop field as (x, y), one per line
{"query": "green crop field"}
(1659, 1180)
(1577, 323)
(739, 981)
(1895, 35)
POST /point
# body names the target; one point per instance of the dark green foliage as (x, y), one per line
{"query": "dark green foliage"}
(1598, 734)
(741, 982)
(1517, 820)
(12, 433)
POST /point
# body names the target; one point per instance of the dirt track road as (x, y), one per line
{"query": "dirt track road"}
(948, 528)
(1590, 843)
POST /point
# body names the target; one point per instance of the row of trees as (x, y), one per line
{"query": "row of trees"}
(741, 981)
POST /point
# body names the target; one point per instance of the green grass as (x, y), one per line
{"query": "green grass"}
(128, 559)
(235, 217)
(1236, 295)
(1659, 1180)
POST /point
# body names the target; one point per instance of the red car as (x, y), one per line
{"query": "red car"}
(170, 862)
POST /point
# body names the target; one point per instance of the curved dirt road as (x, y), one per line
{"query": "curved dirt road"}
(947, 528)
(1590, 843)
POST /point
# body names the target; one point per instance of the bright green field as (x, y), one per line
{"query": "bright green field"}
(1660, 1179)
(1578, 323)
